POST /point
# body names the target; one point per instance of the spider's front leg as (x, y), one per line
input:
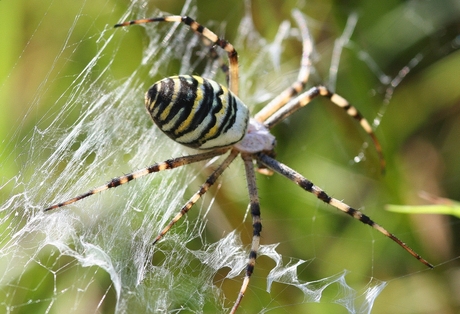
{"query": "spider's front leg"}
(308, 186)
(203, 189)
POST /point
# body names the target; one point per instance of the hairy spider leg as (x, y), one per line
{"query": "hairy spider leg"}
(254, 205)
(302, 78)
(216, 40)
(284, 104)
(308, 186)
(277, 110)
(306, 97)
(168, 164)
(203, 189)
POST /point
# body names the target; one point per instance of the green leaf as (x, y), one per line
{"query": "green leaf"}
(446, 207)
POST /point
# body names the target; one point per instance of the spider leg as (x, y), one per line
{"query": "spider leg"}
(302, 77)
(195, 26)
(168, 164)
(306, 97)
(203, 189)
(256, 225)
(222, 65)
(308, 186)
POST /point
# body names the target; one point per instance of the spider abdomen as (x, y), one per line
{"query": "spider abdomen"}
(197, 112)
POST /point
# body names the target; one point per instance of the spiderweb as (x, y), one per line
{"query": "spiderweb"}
(96, 255)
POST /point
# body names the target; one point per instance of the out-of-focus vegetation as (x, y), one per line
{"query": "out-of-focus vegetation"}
(419, 131)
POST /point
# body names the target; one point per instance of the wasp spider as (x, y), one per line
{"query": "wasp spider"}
(203, 114)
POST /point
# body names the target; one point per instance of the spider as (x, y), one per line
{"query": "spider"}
(205, 115)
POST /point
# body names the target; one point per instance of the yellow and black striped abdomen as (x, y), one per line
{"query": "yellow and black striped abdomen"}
(197, 112)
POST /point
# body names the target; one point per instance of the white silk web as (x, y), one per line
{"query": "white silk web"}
(96, 255)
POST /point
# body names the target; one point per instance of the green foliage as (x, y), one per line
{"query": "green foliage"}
(419, 129)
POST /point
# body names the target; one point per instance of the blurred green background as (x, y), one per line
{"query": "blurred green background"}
(419, 131)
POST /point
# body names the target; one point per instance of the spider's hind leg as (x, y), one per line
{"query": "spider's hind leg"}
(206, 33)
(215, 57)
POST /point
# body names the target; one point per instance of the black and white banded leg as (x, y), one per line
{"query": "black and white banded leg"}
(308, 186)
